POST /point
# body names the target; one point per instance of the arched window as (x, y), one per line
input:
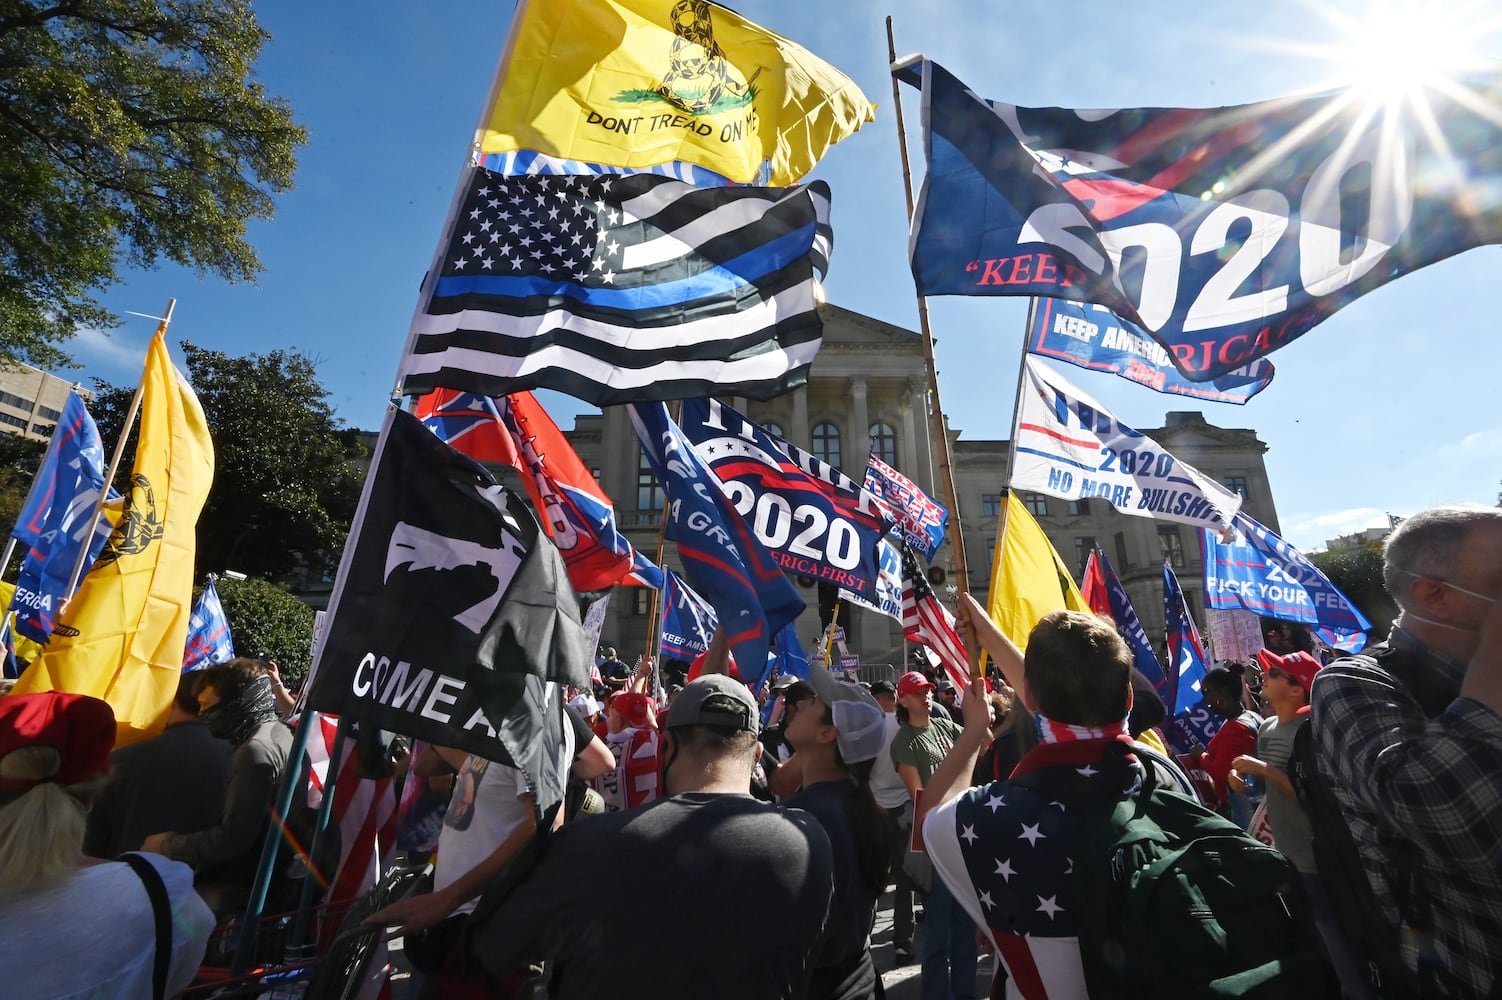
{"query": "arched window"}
(774, 428)
(827, 443)
(884, 442)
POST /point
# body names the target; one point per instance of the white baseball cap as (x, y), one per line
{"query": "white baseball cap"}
(859, 721)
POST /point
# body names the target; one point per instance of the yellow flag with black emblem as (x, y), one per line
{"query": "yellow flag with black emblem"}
(1028, 579)
(637, 83)
(121, 637)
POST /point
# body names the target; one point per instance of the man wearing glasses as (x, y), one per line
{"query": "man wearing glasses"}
(1409, 736)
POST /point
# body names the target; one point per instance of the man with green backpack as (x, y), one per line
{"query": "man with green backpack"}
(1090, 876)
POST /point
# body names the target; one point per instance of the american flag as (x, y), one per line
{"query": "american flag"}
(1006, 853)
(365, 812)
(621, 289)
(926, 621)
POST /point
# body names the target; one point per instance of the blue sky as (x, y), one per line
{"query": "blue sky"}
(1388, 406)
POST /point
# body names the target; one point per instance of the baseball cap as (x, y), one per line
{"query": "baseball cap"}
(80, 728)
(784, 681)
(859, 722)
(913, 682)
(633, 706)
(798, 691)
(714, 700)
(696, 668)
(883, 687)
(1300, 666)
(584, 704)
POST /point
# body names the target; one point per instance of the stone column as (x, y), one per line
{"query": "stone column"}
(853, 452)
(798, 433)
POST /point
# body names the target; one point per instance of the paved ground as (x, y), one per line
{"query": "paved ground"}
(899, 982)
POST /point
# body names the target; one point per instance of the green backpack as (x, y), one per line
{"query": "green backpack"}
(1182, 902)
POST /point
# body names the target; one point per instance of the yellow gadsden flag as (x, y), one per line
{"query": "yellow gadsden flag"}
(1028, 579)
(635, 83)
(121, 636)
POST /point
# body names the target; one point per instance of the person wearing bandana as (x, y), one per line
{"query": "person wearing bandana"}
(236, 704)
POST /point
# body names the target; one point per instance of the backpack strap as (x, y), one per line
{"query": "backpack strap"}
(161, 912)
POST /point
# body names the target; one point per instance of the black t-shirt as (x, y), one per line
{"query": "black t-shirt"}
(844, 970)
(745, 887)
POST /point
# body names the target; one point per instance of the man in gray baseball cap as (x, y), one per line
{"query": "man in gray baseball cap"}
(701, 845)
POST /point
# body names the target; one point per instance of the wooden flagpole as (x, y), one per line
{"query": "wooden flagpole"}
(938, 426)
(109, 474)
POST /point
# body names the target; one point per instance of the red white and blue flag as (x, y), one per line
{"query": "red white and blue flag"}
(922, 519)
(1187, 663)
(580, 519)
(928, 623)
(722, 557)
(815, 520)
(209, 641)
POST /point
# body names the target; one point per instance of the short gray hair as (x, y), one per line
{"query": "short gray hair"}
(1427, 543)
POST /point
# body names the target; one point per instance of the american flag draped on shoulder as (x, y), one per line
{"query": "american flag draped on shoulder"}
(926, 621)
(619, 289)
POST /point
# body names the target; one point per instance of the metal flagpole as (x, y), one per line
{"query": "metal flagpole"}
(939, 431)
(109, 474)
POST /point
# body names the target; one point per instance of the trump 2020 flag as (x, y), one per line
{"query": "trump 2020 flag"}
(922, 519)
(887, 598)
(623, 289)
(73, 463)
(1262, 573)
(643, 82)
(121, 636)
(1104, 593)
(1070, 446)
(815, 520)
(209, 640)
(452, 620)
(1235, 229)
(688, 622)
(1093, 337)
(53, 521)
(1187, 663)
(722, 557)
(577, 515)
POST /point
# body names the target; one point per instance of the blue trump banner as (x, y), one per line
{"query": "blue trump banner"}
(887, 598)
(921, 519)
(1264, 574)
(74, 462)
(1187, 663)
(1070, 446)
(722, 557)
(1105, 594)
(688, 621)
(815, 520)
(209, 640)
(1094, 337)
(1225, 233)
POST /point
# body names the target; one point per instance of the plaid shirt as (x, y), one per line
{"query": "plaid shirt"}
(1436, 782)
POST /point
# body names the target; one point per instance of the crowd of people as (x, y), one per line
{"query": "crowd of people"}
(721, 842)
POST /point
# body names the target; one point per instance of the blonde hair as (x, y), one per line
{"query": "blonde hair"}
(42, 828)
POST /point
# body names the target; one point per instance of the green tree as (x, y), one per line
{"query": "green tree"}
(19, 459)
(286, 479)
(131, 132)
(264, 618)
(1357, 572)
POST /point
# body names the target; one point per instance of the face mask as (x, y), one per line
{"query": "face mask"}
(1452, 586)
